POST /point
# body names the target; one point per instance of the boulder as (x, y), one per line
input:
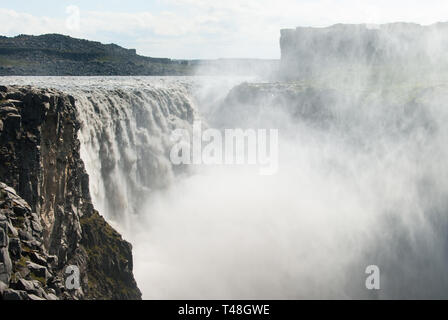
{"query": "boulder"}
(40, 292)
(31, 287)
(37, 227)
(38, 270)
(5, 265)
(13, 230)
(37, 258)
(51, 296)
(16, 103)
(14, 248)
(7, 108)
(36, 283)
(20, 206)
(56, 284)
(3, 287)
(11, 294)
(33, 244)
(25, 285)
(52, 260)
(3, 239)
(15, 95)
(35, 217)
(24, 235)
(35, 298)
(51, 291)
(10, 191)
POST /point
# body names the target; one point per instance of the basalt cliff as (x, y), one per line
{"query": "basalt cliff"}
(370, 54)
(47, 220)
(59, 55)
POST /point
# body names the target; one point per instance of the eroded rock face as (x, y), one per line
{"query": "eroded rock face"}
(48, 221)
(58, 55)
(371, 53)
(28, 272)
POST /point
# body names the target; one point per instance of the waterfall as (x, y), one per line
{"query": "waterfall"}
(361, 181)
(125, 138)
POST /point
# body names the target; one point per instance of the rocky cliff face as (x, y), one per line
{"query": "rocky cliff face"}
(47, 220)
(396, 51)
(55, 54)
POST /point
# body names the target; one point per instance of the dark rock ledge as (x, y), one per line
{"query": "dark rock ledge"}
(47, 220)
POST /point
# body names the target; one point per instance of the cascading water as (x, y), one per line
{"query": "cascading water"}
(361, 182)
(126, 143)
(126, 125)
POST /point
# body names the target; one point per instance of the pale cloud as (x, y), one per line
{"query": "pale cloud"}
(73, 21)
(212, 29)
(16, 22)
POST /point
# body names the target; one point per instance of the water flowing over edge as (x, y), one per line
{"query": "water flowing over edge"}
(360, 183)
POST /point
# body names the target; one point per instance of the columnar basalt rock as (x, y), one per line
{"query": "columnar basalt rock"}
(47, 217)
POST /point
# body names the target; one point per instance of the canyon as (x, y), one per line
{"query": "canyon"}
(362, 149)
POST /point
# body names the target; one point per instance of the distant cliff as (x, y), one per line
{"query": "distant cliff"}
(58, 55)
(396, 51)
(47, 220)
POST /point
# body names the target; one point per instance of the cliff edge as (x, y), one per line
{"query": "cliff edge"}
(384, 53)
(47, 220)
(60, 55)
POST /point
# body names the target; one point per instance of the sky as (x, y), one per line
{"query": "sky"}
(203, 29)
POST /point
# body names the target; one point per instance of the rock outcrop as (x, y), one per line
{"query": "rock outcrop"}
(57, 55)
(388, 52)
(47, 218)
(27, 270)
